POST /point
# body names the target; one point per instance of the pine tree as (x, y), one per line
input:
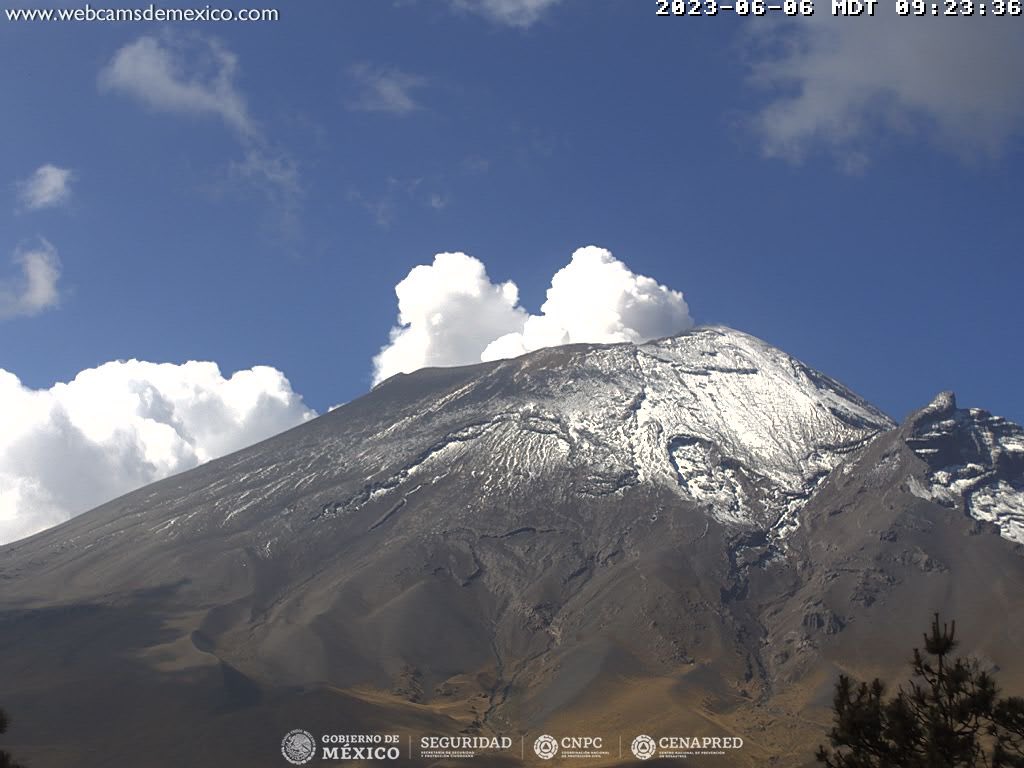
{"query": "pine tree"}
(948, 716)
(6, 761)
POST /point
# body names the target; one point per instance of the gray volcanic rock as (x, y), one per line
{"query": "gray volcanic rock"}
(975, 462)
(686, 536)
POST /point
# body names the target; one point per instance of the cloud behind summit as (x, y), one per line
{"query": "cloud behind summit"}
(451, 313)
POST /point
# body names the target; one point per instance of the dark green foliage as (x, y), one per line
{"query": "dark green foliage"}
(6, 761)
(948, 716)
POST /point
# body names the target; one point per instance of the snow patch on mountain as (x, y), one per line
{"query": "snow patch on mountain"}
(724, 420)
(1002, 504)
(747, 430)
(975, 462)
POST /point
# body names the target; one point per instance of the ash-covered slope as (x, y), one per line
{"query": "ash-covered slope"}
(715, 416)
(533, 543)
(887, 540)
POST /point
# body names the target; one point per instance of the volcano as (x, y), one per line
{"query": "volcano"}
(690, 537)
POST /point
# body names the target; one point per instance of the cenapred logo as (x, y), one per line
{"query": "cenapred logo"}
(644, 747)
(546, 747)
(298, 747)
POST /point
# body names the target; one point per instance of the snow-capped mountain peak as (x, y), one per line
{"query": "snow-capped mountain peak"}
(975, 462)
(724, 420)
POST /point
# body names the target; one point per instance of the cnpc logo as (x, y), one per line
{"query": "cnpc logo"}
(547, 747)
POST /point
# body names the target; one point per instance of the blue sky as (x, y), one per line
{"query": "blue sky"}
(251, 194)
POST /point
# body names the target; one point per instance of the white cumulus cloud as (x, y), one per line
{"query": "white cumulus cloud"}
(596, 298)
(840, 84)
(119, 426)
(450, 313)
(48, 186)
(447, 314)
(35, 289)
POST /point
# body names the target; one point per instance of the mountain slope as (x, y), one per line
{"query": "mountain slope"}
(684, 534)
